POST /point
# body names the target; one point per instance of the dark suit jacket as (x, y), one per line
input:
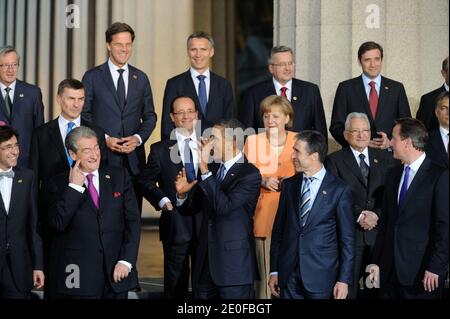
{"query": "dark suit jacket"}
(425, 113)
(306, 102)
(226, 238)
(158, 181)
(414, 238)
(351, 97)
(94, 240)
(435, 149)
(102, 108)
(19, 231)
(27, 114)
(365, 196)
(220, 102)
(326, 243)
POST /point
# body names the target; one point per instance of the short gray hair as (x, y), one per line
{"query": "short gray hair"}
(355, 115)
(76, 134)
(279, 49)
(201, 35)
(9, 49)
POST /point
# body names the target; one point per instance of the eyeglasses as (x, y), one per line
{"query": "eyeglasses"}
(7, 66)
(284, 64)
(189, 113)
(10, 147)
(355, 132)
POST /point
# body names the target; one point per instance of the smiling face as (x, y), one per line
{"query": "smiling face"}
(120, 48)
(71, 102)
(371, 62)
(9, 153)
(184, 114)
(9, 64)
(282, 67)
(200, 52)
(88, 153)
(358, 134)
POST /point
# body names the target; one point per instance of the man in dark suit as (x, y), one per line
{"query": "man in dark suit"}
(119, 100)
(427, 106)
(313, 237)
(49, 156)
(304, 96)
(211, 92)
(437, 145)
(21, 103)
(382, 99)
(95, 216)
(21, 260)
(176, 231)
(364, 169)
(225, 262)
(411, 251)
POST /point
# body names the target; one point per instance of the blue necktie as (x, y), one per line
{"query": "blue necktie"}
(70, 126)
(404, 189)
(221, 173)
(202, 93)
(189, 161)
(121, 89)
(305, 200)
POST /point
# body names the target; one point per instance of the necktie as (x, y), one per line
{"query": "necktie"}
(283, 91)
(92, 191)
(70, 126)
(221, 173)
(189, 161)
(373, 99)
(121, 89)
(404, 189)
(9, 174)
(202, 93)
(364, 168)
(305, 200)
(8, 103)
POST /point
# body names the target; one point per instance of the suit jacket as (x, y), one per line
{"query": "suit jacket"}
(435, 149)
(306, 102)
(351, 97)
(366, 195)
(19, 231)
(102, 108)
(226, 239)
(157, 181)
(425, 113)
(27, 114)
(324, 248)
(414, 238)
(94, 239)
(220, 101)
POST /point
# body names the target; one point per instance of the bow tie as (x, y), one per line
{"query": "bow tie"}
(9, 174)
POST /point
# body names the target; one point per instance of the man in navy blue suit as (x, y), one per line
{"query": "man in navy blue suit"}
(119, 100)
(225, 263)
(211, 92)
(313, 238)
(20, 104)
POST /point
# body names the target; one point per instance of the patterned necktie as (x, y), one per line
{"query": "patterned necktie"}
(404, 188)
(373, 100)
(189, 161)
(305, 200)
(364, 168)
(8, 103)
(221, 173)
(283, 91)
(202, 93)
(121, 89)
(92, 191)
(70, 126)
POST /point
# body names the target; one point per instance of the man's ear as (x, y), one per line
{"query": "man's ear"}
(73, 155)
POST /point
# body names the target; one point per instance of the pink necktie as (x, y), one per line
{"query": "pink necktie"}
(373, 99)
(283, 91)
(92, 190)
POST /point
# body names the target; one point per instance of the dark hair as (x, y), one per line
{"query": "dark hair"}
(180, 97)
(201, 35)
(6, 132)
(315, 143)
(367, 46)
(414, 129)
(233, 128)
(440, 97)
(69, 84)
(118, 27)
(445, 64)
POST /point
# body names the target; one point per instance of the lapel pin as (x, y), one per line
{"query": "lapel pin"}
(324, 192)
(21, 95)
(232, 175)
(294, 98)
(107, 176)
(386, 88)
(19, 181)
(135, 76)
(375, 160)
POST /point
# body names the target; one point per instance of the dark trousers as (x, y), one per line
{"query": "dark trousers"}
(136, 185)
(295, 289)
(8, 287)
(362, 259)
(176, 269)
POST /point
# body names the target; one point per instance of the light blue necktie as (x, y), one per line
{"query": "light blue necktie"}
(70, 126)
(189, 161)
(202, 93)
(305, 200)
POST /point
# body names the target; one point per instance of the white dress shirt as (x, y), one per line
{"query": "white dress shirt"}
(446, 86)
(62, 123)
(278, 87)
(5, 189)
(207, 74)
(356, 154)
(367, 87)
(444, 136)
(414, 167)
(11, 93)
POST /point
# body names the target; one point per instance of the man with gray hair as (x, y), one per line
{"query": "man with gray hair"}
(21, 104)
(96, 220)
(304, 96)
(211, 92)
(364, 169)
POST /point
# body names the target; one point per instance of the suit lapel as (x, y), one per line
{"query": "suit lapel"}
(231, 174)
(104, 180)
(416, 182)
(16, 190)
(361, 91)
(374, 168)
(132, 84)
(295, 193)
(297, 93)
(384, 95)
(107, 78)
(351, 163)
(173, 152)
(437, 143)
(321, 198)
(55, 137)
(213, 89)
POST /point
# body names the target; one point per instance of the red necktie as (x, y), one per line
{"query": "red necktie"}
(283, 91)
(373, 99)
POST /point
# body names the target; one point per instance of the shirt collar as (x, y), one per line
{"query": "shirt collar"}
(63, 121)
(12, 86)
(113, 68)
(95, 173)
(356, 153)
(320, 174)
(278, 85)
(443, 131)
(195, 73)
(367, 80)
(181, 138)
(416, 164)
(228, 164)
(8, 170)
(446, 86)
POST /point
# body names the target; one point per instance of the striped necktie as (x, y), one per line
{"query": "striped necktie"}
(305, 200)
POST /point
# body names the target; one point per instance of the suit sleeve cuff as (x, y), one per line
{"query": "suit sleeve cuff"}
(77, 187)
(163, 202)
(275, 273)
(139, 138)
(126, 263)
(180, 201)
